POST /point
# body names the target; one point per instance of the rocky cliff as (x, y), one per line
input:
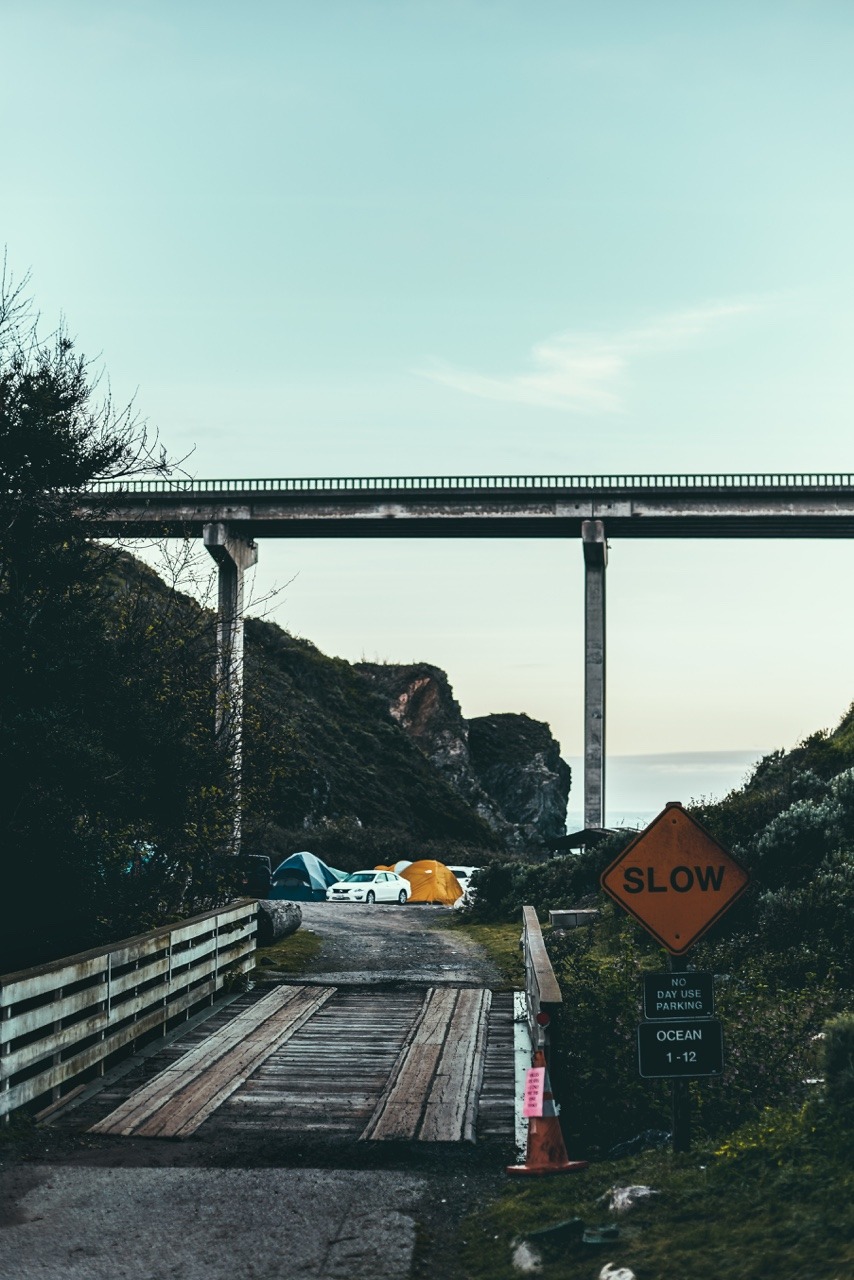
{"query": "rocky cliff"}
(507, 767)
(376, 762)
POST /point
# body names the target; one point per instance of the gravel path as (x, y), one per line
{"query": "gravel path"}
(382, 944)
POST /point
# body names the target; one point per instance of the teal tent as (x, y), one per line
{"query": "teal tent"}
(303, 878)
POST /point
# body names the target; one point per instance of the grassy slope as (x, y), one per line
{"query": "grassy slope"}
(501, 942)
(776, 1201)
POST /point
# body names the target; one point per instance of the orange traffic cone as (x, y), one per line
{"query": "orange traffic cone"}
(546, 1150)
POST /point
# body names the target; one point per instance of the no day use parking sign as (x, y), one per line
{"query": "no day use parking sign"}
(675, 879)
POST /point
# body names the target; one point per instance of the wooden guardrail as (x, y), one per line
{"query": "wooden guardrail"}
(61, 1022)
(542, 993)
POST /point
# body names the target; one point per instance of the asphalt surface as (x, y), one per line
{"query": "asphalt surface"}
(203, 1224)
(81, 1207)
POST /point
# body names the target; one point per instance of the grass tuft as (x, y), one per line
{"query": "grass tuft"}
(291, 956)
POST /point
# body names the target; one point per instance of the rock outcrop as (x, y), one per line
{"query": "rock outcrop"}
(518, 764)
(507, 767)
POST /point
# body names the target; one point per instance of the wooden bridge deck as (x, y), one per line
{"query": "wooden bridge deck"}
(428, 1065)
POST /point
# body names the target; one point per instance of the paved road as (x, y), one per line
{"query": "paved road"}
(80, 1207)
(379, 944)
(206, 1224)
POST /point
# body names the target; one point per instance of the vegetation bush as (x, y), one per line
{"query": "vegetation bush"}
(604, 1101)
(837, 1063)
(505, 887)
(769, 1026)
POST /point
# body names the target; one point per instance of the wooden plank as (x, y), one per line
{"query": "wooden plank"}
(539, 965)
(144, 1101)
(183, 1115)
(398, 1112)
(23, 1023)
(155, 968)
(23, 987)
(451, 1106)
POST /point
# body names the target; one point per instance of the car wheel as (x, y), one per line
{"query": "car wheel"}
(370, 897)
(401, 897)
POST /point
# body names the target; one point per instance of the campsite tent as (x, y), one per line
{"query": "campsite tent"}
(303, 878)
(432, 882)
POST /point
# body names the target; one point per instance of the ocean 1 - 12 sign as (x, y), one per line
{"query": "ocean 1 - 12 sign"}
(687, 1049)
(675, 879)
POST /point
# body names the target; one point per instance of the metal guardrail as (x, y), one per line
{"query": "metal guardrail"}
(542, 993)
(593, 483)
(63, 1020)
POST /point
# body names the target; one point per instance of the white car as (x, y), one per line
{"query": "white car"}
(370, 886)
(464, 875)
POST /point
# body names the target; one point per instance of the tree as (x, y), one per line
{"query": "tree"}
(115, 803)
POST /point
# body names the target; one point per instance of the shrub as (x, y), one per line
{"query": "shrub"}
(505, 887)
(595, 1061)
(837, 1061)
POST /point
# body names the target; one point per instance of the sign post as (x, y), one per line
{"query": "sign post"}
(676, 880)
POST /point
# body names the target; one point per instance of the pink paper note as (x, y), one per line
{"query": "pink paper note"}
(535, 1079)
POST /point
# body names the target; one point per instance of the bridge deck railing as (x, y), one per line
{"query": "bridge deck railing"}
(61, 1022)
(596, 483)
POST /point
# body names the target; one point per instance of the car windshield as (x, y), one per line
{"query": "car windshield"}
(359, 877)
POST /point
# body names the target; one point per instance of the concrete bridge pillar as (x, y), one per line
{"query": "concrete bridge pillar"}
(595, 562)
(233, 555)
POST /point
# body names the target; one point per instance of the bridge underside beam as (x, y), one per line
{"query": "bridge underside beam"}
(468, 516)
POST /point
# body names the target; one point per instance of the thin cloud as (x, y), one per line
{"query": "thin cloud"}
(584, 372)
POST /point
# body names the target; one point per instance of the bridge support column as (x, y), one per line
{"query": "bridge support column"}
(233, 555)
(595, 562)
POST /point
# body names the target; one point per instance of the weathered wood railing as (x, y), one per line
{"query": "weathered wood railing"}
(542, 993)
(62, 1022)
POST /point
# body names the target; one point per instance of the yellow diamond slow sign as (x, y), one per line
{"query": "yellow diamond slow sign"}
(675, 879)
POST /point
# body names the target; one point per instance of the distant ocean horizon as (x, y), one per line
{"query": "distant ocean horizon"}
(637, 787)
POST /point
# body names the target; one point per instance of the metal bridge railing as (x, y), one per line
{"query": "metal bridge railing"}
(597, 483)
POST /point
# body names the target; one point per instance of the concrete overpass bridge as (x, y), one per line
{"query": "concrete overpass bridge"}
(231, 515)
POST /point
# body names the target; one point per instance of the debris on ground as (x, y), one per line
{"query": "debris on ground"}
(526, 1258)
(610, 1272)
(618, 1199)
(601, 1235)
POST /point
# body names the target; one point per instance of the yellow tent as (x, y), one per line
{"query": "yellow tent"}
(432, 882)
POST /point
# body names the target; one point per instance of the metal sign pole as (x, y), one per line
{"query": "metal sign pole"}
(680, 1098)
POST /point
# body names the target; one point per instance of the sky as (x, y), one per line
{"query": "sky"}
(432, 237)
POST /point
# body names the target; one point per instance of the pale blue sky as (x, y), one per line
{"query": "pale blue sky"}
(451, 236)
